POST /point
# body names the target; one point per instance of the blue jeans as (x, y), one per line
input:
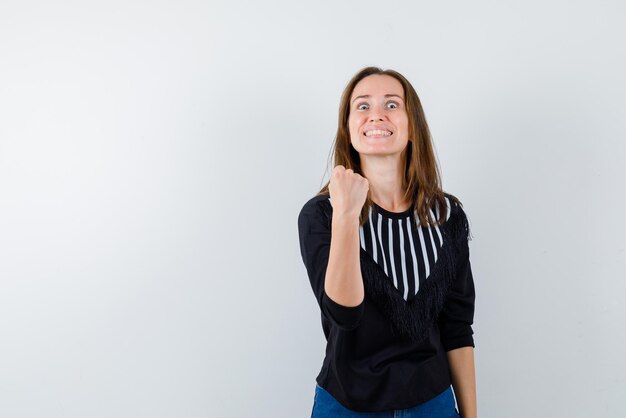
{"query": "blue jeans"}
(441, 406)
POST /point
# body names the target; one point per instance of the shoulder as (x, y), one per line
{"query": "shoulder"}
(448, 202)
(319, 202)
(454, 203)
(316, 211)
(452, 199)
(458, 216)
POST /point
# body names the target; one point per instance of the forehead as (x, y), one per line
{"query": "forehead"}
(378, 85)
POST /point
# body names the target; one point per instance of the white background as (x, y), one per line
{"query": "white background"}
(154, 157)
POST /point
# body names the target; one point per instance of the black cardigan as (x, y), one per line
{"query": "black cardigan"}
(387, 353)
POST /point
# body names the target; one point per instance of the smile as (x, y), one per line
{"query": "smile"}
(377, 133)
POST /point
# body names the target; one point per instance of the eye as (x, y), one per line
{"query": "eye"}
(358, 107)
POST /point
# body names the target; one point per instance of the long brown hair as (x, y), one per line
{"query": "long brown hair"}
(421, 181)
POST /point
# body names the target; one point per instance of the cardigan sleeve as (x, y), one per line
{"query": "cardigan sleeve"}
(314, 235)
(457, 316)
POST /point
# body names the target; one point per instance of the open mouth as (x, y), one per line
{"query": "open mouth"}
(377, 133)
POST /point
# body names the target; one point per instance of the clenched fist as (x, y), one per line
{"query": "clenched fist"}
(348, 191)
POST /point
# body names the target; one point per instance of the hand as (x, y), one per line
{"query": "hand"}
(348, 191)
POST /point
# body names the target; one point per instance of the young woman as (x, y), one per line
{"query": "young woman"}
(386, 251)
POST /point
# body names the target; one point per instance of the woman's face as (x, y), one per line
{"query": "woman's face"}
(377, 103)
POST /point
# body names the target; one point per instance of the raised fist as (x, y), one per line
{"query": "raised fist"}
(348, 191)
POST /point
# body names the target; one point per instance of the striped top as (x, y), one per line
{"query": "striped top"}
(406, 254)
(386, 354)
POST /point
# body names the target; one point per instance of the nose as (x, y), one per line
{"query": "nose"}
(376, 114)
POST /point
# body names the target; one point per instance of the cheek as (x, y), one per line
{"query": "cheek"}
(404, 123)
(353, 126)
(355, 121)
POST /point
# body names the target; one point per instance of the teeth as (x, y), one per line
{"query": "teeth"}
(377, 132)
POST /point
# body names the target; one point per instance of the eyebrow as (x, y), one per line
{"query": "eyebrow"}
(386, 95)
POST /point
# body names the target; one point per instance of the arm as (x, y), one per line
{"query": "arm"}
(455, 325)
(462, 372)
(332, 258)
(344, 284)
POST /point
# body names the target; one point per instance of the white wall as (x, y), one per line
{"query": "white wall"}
(154, 157)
